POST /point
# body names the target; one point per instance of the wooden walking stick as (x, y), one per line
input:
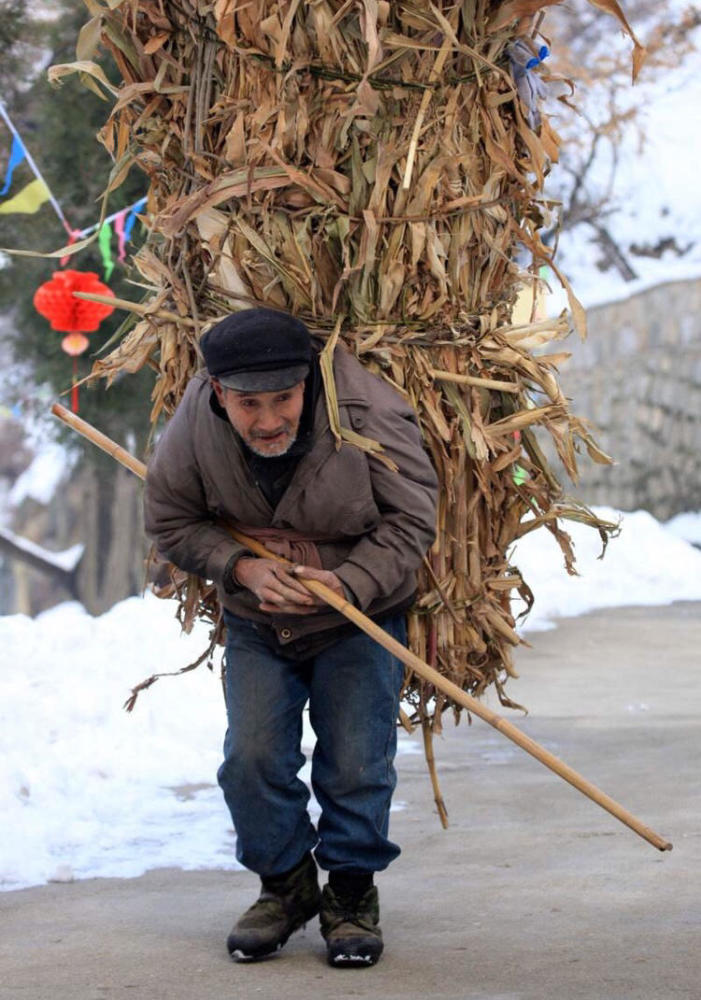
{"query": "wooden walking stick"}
(403, 654)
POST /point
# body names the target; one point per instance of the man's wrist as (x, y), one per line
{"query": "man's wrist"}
(242, 559)
(231, 581)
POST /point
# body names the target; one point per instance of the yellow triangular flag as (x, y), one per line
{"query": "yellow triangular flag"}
(28, 200)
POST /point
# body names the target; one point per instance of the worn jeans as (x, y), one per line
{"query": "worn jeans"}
(353, 691)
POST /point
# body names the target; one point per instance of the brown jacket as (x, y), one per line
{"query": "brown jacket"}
(380, 522)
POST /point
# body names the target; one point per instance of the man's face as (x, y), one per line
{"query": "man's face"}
(267, 421)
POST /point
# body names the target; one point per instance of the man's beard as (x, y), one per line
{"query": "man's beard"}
(274, 450)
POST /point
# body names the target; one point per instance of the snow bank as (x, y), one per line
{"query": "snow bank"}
(686, 526)
(645, 565)
(92, 790)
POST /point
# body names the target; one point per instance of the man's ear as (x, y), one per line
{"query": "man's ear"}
(218, 389)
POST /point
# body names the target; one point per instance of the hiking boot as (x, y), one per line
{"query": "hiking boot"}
(286, 903)
(350, 926)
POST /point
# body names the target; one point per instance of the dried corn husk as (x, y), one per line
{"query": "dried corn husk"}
(368, 166)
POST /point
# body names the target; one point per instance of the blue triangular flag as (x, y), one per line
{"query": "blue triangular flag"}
(17, 154)
(131, 219)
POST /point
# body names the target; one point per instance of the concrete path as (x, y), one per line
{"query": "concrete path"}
(533, 893)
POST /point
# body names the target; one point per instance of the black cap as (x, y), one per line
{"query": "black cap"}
(258, 350)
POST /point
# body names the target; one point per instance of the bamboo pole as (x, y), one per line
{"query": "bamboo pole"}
(401, 652)
(100, 439)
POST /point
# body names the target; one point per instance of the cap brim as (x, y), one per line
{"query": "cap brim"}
(271, 381)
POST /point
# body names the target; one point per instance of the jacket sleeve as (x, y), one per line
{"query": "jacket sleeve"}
(175, 507)
(406, 500)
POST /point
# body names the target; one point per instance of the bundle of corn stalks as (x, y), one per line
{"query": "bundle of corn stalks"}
(370, 167)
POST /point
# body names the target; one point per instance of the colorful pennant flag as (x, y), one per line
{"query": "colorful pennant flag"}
(520, 475)
(17, 154)
(27, 201)
(36, 193)
(104, 239)
(119, 230)
(128, 225)
(131, 219)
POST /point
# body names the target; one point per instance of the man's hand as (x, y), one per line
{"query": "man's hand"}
(279, 590)
(324, 576)
(275, 587)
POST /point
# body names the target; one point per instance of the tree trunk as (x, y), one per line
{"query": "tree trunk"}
(113, 566)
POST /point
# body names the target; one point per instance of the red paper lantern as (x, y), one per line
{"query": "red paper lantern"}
(55, 300)
(76, 317)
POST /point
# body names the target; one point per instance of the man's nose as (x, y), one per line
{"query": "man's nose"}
(268, 420)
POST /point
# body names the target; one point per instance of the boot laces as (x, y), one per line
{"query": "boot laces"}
(346, 909)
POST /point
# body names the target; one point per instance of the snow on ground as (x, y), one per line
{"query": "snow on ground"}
(91, 788)
(647, 564)
(686, 526)
(88, 790)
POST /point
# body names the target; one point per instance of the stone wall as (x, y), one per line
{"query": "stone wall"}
(637, 378)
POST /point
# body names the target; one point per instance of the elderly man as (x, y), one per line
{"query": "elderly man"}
(250, 445)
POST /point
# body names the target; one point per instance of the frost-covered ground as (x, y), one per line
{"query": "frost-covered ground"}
(89, 790)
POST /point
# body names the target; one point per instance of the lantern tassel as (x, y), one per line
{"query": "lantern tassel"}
(74, 387)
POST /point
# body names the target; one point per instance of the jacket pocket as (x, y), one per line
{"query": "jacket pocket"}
(353, 414)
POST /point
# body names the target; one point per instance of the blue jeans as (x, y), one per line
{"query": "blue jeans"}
(353, 691)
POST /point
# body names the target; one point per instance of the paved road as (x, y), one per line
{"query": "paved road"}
(533, 893)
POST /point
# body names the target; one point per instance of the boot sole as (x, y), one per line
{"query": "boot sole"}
(347, 955)
(240, 956)
(350, 961)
